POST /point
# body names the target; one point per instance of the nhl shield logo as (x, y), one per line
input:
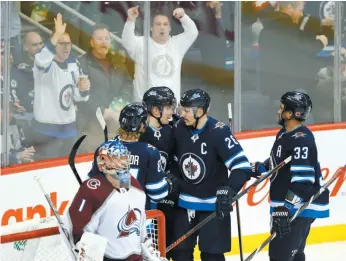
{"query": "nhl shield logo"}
(193, 168)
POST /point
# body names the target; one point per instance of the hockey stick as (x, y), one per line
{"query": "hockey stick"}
(240, 241)
(72, 156)
(238, 196)
(304, 206)
(102, 122)
(57, 216)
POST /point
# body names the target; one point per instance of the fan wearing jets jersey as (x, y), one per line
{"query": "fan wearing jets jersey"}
(145, 163)
(295, 183)
(111, 205)
(206, 149)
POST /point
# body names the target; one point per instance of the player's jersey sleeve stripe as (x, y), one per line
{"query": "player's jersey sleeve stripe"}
(154, 186)
(302, 168)
(314, 210)
(191, 202)
(158, 197)
(304, 178)
(242, 165)
(230, 160)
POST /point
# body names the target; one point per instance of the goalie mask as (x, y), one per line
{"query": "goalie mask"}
(113, 159)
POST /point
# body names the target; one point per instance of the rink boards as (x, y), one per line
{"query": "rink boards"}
(21, 198)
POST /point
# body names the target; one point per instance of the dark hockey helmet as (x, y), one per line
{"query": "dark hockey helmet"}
(195, 98)
(158, 97)
(298, 103)
(132, 116)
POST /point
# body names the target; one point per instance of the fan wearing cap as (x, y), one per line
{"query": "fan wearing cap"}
(296, 182)
(145, 163)
(206, 150)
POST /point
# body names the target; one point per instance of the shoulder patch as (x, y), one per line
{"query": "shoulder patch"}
(299, 135)
(151, 147)
(220, 125)
(93, 183)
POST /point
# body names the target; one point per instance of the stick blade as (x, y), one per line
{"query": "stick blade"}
(72, 156)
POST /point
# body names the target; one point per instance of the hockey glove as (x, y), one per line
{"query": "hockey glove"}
(224, 197)
(173, 183)
(280, 221)
(259, 167)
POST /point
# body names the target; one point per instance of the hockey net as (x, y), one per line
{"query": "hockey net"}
(41, 241)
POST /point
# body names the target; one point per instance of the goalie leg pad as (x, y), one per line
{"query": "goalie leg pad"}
(91, 247)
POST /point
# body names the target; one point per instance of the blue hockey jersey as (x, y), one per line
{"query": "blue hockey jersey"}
(302, 176)
(145, 166)
(204, 157)
(162, 140)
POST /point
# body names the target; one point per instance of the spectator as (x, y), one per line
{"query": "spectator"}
(288, 53)
(25, 91)
(19, 150)
(15, 80)
(15, 27)
(108, 83)
(57, 84)
(165, 53)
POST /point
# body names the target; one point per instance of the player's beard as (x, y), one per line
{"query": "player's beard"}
(281, 121)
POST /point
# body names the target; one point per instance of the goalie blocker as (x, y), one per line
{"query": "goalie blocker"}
(110, 207)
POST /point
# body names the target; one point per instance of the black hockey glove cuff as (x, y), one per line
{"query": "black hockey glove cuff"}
(280, 221)
(224, 197)
(173, 183)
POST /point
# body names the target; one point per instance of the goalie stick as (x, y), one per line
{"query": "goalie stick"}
(304, 206)
(240, 241)
(57, 216)
(238, 196)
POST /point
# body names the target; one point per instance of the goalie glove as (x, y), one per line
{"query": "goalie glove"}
(149, 253)
(91, 247)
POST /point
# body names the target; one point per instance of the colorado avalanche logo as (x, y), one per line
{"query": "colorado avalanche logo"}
(193, 168)
(65, 98)
(163, 159)
(130, 223)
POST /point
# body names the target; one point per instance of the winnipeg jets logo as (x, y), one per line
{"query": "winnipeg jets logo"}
(193, 168)
(219, 125)
(299, 134)
(130, 223)
(163, 159)
(194, 138)
(157, 134)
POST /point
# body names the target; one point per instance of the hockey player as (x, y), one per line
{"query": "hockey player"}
(112, 205)
(145, 163)
(295, 183)
(161, 104)
(206, 149)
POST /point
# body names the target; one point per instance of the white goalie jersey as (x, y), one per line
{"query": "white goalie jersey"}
(117, 215)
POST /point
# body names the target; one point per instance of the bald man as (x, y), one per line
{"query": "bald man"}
(25, 89)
